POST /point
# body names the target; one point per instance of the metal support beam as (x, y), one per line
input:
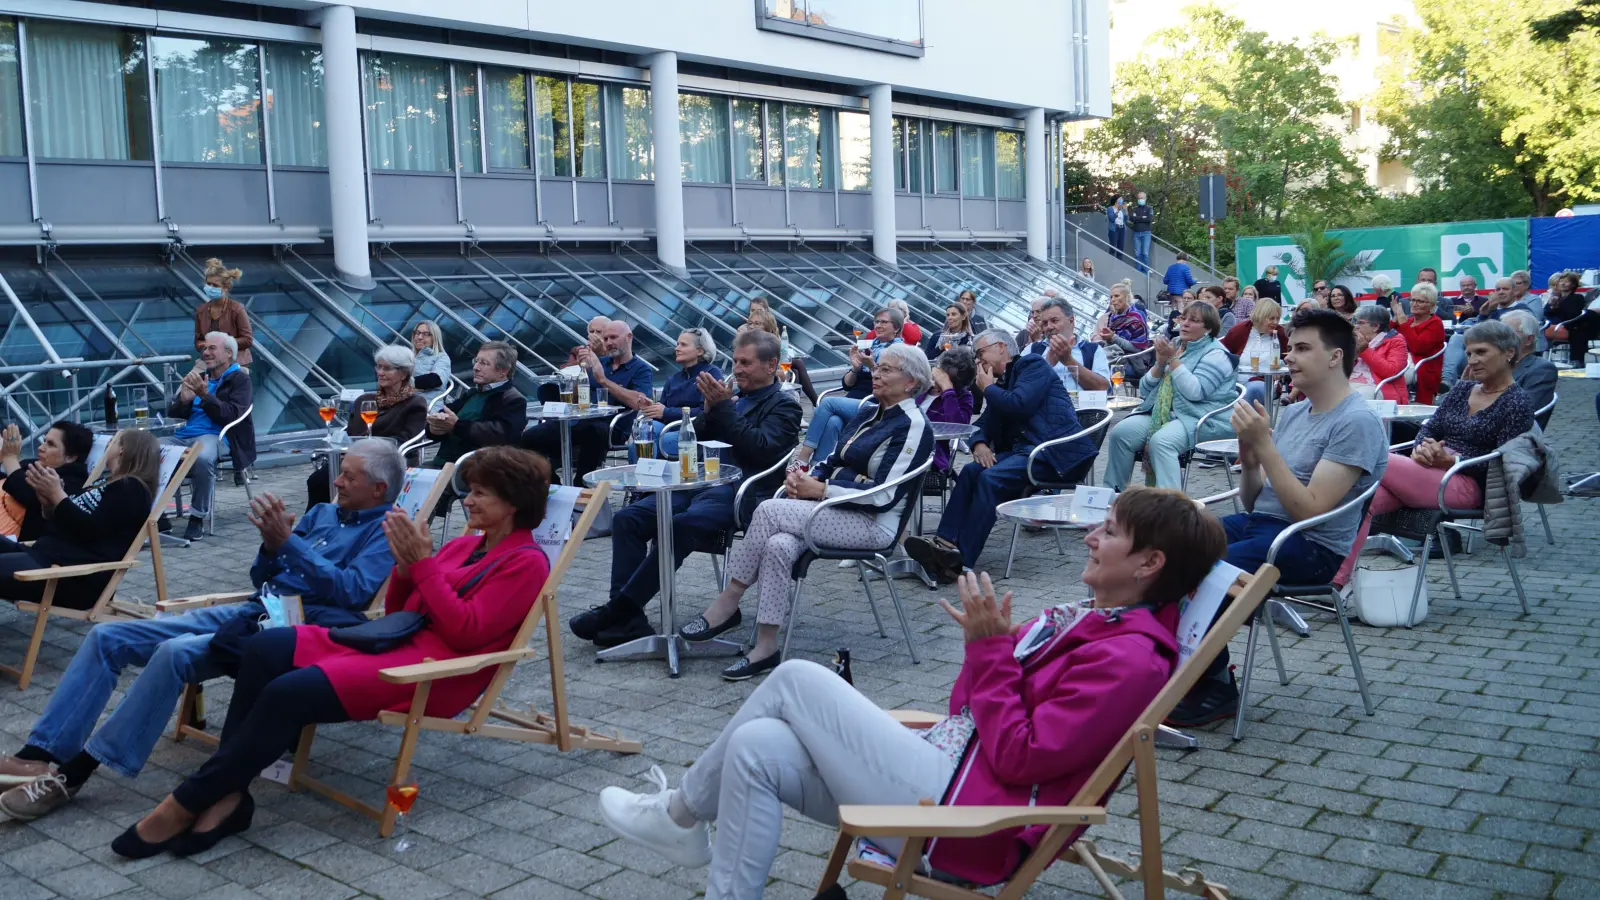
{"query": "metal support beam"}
(880, 102)
(668, 161)
(347, 168)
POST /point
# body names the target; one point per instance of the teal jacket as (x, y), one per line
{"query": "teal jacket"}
(1202, 383)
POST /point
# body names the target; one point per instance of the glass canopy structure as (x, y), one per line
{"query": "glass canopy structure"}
(77, 321)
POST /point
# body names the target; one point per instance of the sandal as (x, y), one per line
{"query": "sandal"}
(701, 630)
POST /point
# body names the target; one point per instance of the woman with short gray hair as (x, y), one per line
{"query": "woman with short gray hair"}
(1380, 355)
(402, 414)
(1481, 413)
(1423, 332)
(693, 353)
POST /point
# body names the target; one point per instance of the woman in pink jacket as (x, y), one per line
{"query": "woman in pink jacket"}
(1036, 707)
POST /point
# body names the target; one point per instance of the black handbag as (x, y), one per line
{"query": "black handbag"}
(398, 628)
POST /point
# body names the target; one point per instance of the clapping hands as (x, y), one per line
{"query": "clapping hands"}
(981, 615)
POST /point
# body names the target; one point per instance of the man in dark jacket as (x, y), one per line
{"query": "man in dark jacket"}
(762, 425)
(213, 396)
(1024, 405)
(1142, 218)
(493, 413)
(65, 448)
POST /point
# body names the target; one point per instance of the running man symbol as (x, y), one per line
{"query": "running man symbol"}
(1479, 256)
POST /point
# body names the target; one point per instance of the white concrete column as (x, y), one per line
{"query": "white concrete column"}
(347, 180)
(1036, 190)
(880, 103)
(669, 168)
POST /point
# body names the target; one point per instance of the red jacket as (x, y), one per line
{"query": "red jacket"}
(911, 333)
(1387, 360)
(485, 621)
(1423, 341)
(1046, 722)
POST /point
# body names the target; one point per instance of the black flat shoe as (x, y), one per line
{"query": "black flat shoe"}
(744, 669)
(701, 630)
(130, 846)
(191, 842)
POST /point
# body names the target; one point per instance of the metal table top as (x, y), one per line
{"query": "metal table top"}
(628, 477)
(1044, 511)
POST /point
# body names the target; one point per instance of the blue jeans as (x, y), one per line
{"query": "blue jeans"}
(203, 475)
(635, 571)
(1141, 249)
(1299, 560)
(1114, 237)
(969, 516)
(1254, 392)
(173, 651)
(828, 422)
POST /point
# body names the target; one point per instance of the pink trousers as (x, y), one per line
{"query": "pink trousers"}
(1408, 484)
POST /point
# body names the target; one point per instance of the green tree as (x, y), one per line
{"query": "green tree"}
(1325, 258)
(1485, 112)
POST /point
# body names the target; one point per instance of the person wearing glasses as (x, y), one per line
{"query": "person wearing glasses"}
(427, 344)
(402, 414)
(836, 412)
(1319, 292)
(1424, 335)
(694, 352)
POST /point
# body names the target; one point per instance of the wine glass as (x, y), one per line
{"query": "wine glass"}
(369, 414)
(1116, 380)
(328, 409)
(401, 796)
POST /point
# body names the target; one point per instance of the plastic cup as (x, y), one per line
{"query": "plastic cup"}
(713, 461)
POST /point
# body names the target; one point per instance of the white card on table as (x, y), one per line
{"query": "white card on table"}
(1091, 399)
(1091, 504)
(553, 409)
(1591, 370)
(349, 395)
(714, 445)
(1385, 409)
(651, 468)
(864, 346)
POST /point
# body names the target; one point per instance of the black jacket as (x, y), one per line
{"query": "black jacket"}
(1269, 288)
(1141, 217)
(228, 402)
(94, 525)
(500, 420)
(769, 429)
(73, 475)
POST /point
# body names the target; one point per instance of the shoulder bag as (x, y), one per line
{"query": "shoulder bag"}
(398, 628)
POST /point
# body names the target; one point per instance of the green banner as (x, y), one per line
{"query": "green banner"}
(1485, 250)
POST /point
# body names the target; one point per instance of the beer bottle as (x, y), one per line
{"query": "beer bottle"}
(111, 407)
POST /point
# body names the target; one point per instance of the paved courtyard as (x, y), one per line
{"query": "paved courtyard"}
(1478, 776)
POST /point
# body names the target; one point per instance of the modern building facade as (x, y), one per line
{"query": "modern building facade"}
(510, 168)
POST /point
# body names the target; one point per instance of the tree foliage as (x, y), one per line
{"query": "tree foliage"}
(1324, 258)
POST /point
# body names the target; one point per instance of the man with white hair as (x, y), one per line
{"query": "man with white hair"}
(596, 344)
(334, 559)
(627, 379)
(213, 394)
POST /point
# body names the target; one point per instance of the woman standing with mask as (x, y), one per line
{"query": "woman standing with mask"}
(222, 313)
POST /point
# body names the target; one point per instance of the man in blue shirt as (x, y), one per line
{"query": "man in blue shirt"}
(1178, 277)
(628, 381)
(335, 559)
(216, 393)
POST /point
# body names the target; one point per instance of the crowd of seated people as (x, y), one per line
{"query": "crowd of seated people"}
(402, 413)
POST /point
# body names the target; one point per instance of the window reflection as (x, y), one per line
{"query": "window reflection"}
(703, 138)
(748, 154)
(896, 20)
(87, 91)
(855, 151)
(295, 106)
(1008, 165)
(408, 122)
(629, 138)
(469, 157)
(208, 100)
(505, 108)
(977, 161)
(10, 92)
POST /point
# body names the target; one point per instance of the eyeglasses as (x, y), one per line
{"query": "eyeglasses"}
(1320, 287)
(893, 370)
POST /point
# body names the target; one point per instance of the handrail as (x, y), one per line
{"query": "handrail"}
(858, 496)
(1099, 426)
(1456, 470)
(71, 365)
(1303, 524)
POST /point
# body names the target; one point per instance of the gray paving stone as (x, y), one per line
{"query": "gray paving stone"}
(90, 881)
(1387, 857)
(1395, 886)
(177, 879)
(1493, 875)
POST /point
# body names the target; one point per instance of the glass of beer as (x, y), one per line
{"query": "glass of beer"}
(644, 448)
(1255, 363)
(713, 461)
(141, 406)
(569, 388)
(369, 413)
(601, 397)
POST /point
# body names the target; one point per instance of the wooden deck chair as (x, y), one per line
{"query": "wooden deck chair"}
(533, 726)
(918, 824)
(418, 495)
(175, 465)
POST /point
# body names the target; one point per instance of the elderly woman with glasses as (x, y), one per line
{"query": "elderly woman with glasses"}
(1423, 332)
(402, 413)
(889, 437)
(1483, 411)
(694, 352)
(835, 412)
(1380, 355)
(427, 342)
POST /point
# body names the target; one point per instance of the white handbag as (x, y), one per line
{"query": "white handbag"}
(1382, 597)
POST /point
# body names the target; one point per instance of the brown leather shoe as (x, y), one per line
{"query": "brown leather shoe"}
(15, 771)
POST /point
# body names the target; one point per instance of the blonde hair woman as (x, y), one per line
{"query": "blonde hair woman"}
(221, 312)
(427, 342)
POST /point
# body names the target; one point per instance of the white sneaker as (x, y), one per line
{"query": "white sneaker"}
(643, 819)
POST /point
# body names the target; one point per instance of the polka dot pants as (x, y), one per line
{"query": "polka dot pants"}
(773, 542)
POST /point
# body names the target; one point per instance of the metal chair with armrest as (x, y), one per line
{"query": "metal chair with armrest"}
(876, 560)
(1083, 473)
(211, 510)
(1541, 417)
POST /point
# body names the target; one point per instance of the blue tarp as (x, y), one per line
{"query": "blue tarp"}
(1556, 245)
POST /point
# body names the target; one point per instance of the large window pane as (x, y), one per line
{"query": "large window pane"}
(628, 139)
(802, 146)
(917, 166)
(748, 154)
(468, 155)
(10, 92)
(505, 106)
(977, 161)
(1008, 165)
(898, 125)
(408, 120)
(295, 105)
(703, 138)
(855, 151)
(944, 156)
(88, 92)
(586, 130)
(207, 100)
(551, 124)
(775, 144)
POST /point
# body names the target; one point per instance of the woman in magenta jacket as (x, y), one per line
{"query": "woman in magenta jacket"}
(1036, 707)
(475, 593)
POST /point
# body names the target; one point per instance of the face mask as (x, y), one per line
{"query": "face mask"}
(213, 292)
(1141, 201)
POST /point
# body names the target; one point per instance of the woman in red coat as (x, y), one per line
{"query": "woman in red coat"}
(1424, 334)
(1380, 355)
(475, 593)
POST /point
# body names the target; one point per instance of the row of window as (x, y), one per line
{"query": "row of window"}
(90, 89)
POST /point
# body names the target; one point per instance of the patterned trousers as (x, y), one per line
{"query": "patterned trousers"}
(773, 542)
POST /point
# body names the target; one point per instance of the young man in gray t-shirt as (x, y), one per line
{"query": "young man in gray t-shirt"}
(1326, 450)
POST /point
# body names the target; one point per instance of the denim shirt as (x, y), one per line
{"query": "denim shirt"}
(335, 560)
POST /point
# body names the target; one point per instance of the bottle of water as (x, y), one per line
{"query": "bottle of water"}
(688, 448)
(784, 353)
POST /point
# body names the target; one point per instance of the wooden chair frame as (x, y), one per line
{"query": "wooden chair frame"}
(103, 610)
(533, 726)
(188, 724)
(918, 824)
